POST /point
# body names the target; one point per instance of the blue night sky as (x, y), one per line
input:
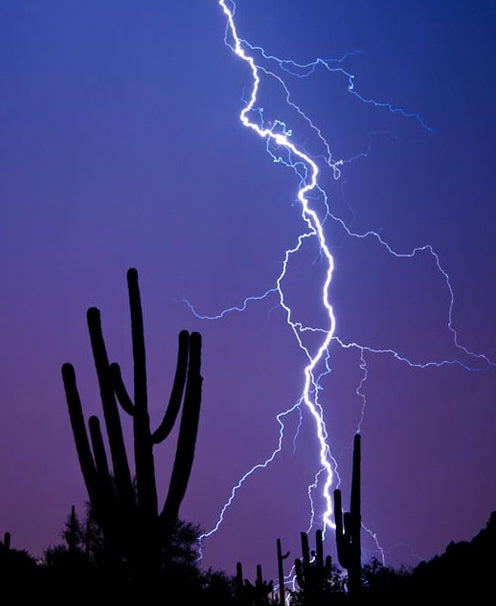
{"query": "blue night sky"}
(122, 147)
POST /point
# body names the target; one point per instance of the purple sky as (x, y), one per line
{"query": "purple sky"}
(121, 147)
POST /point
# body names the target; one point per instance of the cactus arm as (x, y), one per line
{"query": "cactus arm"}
(120, 389)
(165, 427)
(138, 340)
(111, 412)
(187, 435)
(83, 450)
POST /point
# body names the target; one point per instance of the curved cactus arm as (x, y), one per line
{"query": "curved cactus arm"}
(111, 412)
(165, 427)
(83, 450)
(120, 389)
(138, 340)
(187, 436)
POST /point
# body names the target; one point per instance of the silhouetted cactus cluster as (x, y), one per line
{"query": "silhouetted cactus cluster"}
(134, 528)
(312, 572)
(252, 594)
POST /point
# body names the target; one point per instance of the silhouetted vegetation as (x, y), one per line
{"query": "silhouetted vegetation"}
(252, 594)
(462, 572)
(137, 536)
(317, 579)
(14, 563)
(125, 550)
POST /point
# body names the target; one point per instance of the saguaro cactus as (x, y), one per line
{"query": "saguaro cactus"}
(129, 517)
(348, 534)
(256, 594)
(313, 574)
(72, 533)
(280, 570)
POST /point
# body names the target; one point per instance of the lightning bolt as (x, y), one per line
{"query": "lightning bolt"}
(278, 136)
(282, 149)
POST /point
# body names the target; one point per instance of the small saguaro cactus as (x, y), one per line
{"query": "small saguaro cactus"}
(72, 533)
(348, 527)
(6, 541)
(280, 570)
(128, 514)
(239, 579)
(313, 573)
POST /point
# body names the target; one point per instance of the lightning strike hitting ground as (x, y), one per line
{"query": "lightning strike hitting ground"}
(282, 149)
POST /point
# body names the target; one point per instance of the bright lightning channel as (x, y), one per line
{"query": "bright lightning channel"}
(277, 138)
(310, 389)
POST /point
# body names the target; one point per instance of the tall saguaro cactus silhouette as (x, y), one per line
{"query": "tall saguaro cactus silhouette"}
(129, 516)
(348, 534)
